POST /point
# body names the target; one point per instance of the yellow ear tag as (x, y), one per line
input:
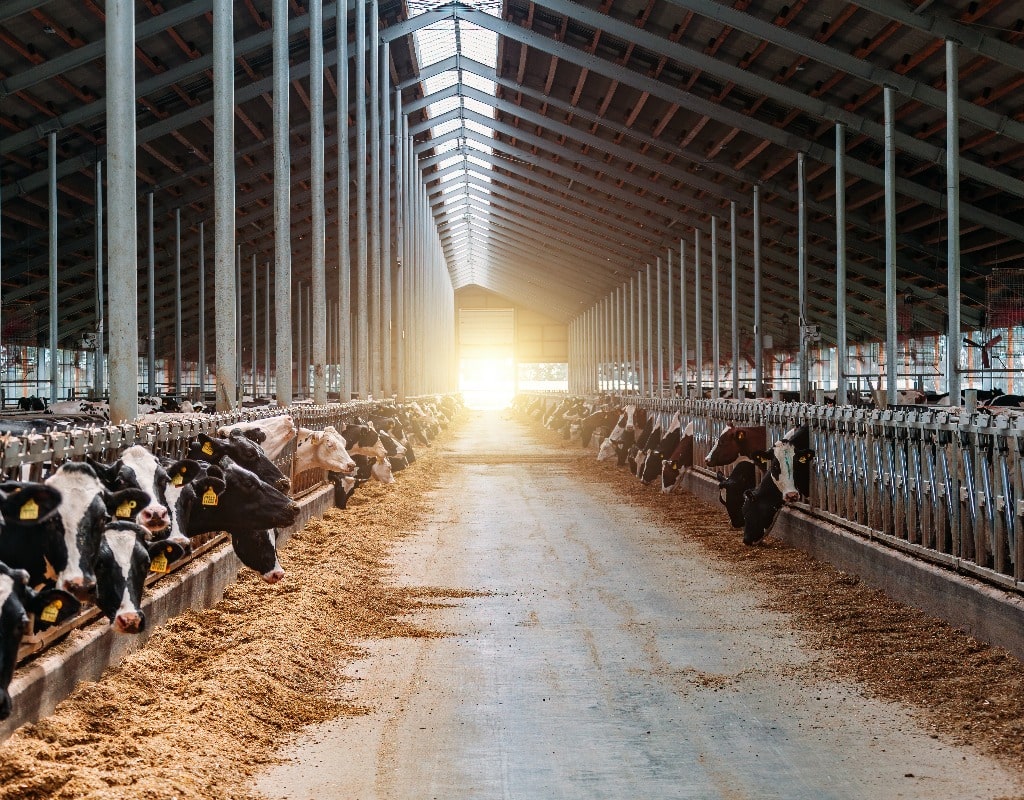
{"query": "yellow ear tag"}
(124, 511)
(158, 564)
(177, 480)
(49, 614)
(209, 497)
(207, 448)
(29, 511)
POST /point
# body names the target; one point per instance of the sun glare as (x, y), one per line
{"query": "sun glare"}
(487, 383)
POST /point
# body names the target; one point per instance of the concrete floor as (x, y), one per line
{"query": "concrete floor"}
(610, 660)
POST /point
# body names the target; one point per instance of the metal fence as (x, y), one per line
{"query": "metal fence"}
(34, 456)
(944, 486)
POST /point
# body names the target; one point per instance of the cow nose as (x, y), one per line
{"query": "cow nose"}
(155, 518)
(82, 588)
(130, 622)
(283, 485)
(294, 508)
(274, 576)
(791, 497)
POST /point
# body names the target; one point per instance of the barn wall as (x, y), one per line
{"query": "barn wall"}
(539, 339)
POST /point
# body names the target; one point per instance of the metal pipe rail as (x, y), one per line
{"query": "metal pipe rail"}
(943, 486)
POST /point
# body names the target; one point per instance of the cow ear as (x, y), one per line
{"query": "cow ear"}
(184, 471)
(105, 472)
(253, 434)
(805, 455)
(126, 503)
(208, 491)
(206, 448)
(51, 607)
(164, 553)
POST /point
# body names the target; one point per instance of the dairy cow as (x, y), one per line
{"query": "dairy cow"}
(243, 451)
(787, 480)
(139, 469)
(732, 491)
(322, 449)
(232, 498)
(86, 505)
(660, 451)
(257, 549)
(122, 563)
(678, 462)
(272, 433)
(28, 539)
(364, 440)
(736, 443)
(17, 601)
(370, 467)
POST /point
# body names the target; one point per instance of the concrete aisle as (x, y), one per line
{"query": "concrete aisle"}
(610, 660)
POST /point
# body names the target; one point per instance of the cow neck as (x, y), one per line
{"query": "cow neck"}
(6, 588)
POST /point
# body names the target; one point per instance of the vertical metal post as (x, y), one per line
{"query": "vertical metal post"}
(373, 56)
(952, 223)
(661, 340)
(801, 257)
(177, 304)
(344, 233)
(255, 372)
(122, 221)
(398, 322)
(362, 266)
(683, 321)
(225, 289)
(634, 367)
(698, 301)
(282, 210)
(266, 333)
(888, 101)
(734, 311)
(649, 320)
(52, 230)
(299, 358)
(318, 280)
(671, 329)
(239, 380)
(150, 302)
(100, 315)
(758, 329)
(716, 349)
(202, 311)
(842, 396)
(386, 265)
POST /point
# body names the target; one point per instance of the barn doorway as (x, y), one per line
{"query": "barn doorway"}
(487, 345)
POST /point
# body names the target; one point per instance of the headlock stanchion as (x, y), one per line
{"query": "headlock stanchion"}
(945, 486)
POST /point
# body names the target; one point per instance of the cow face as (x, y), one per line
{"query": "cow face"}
(732, 491)
(137, 468)
(344, 487)
(258, 551)
(324, 449)
(181, 474)
(652, 468)
(761, 507)
(86, 505)
(122, 563)
(243, 451)
(364, 440)
(239, 501)
(607, 450)
(735, 443)
(30, 538)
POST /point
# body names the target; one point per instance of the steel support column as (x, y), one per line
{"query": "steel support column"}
(344, 233)
(400, 247)
(661, 339)
(758, 329)
(51, 141)
(100, 306)
(801, 261)
(683, 321)
(266, 332)
(318, 268)
(953, 343)
(734, 310)
(698, 290)
(671, 329)
(150, 300)
(362, 381)
(716, 342)
(225, 289)
(122, 225)
(386, 266)
(282, 210)
(177, 304)
(842, 398)
(888, 100)
(202, 311)
(373, 56)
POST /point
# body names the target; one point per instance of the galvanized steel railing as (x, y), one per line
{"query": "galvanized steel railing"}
(945, 486)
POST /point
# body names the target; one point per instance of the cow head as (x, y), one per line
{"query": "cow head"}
(137, 468)
(732, 491)
(258, 551)
(761, 507)
(31, 538)
(243, 451)
(238, 501)
(122, 563)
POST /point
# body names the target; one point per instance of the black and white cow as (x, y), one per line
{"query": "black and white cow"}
(138, 468)
(787, 480)
(257, 549)
(243, 451)
(370, 467)
(122, 562)
(732, 491)
(86, 505)
(658, 453)
(17, 601)
(364, 440)
(678, 462)
(28, 539)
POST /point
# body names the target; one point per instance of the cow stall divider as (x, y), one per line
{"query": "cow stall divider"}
(943, 486)
(34, 456)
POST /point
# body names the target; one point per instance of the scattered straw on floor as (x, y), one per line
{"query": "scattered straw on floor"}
(203, 706)
(964, 689)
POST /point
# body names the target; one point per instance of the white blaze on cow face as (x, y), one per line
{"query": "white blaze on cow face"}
(325, 449)
(382, 471)
(122, 545)
(79, 490)
(607, 450)
(785, 454)
(156, 516)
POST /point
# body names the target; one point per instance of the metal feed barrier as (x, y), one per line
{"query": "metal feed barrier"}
(944, 486)
(33, 456)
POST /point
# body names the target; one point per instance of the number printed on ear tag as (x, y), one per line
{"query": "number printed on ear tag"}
(29, 511)
(207, 448)
(210, 497)
(49, 614)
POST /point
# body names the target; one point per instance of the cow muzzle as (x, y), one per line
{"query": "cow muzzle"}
(791, 497)
(283, 485)
(154, 518)
(274, 576)
(130, 622)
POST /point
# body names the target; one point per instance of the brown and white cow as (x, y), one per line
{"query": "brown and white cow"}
(737, 443)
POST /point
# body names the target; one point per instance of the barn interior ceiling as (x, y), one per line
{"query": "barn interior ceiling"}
(564, 146)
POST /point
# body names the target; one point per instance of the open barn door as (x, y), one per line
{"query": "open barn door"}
(487, 338)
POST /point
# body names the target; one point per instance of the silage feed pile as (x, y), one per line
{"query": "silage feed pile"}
(205, 703)
(963, 689)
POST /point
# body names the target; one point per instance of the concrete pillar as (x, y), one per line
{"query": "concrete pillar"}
(318, 283)
(225, 289)
(282, 210)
